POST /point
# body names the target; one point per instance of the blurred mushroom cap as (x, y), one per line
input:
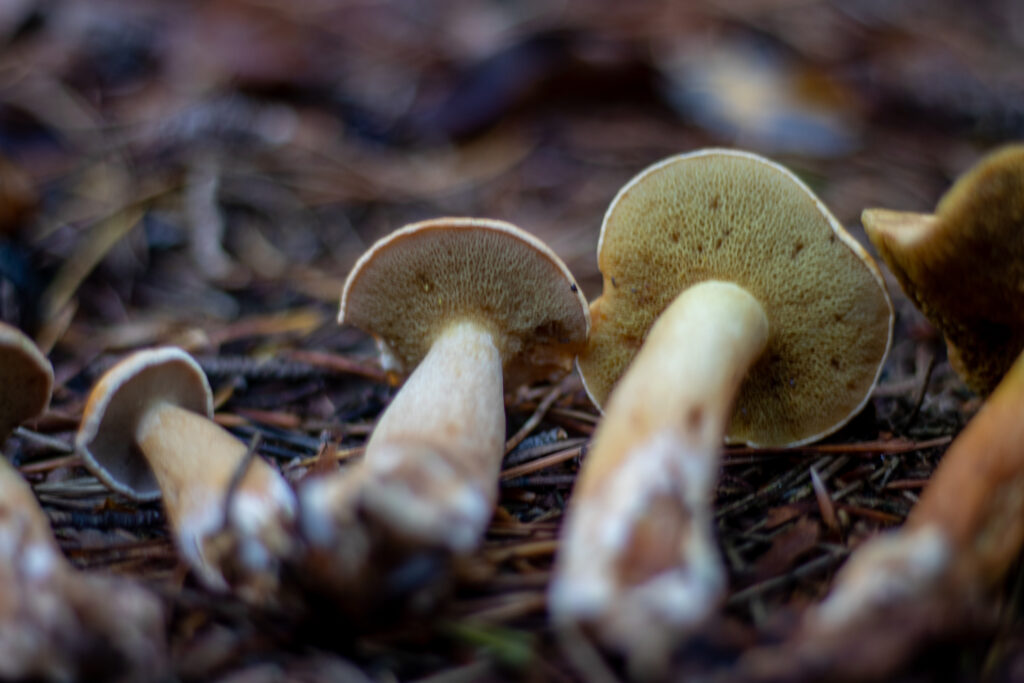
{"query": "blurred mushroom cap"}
(25, 375)
(963, 267)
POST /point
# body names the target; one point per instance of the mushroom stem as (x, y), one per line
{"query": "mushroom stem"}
(56, 623)
(194, 459)
(964, 533)
(639, 549)
(433, 460)
(934, 578)
(28, 545)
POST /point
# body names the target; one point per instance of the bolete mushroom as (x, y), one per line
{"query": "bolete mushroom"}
(147, 431)
(57, 623)
(471, 307)
(973, 243)
(734, 305)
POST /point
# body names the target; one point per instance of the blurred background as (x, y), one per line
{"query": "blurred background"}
(169, 163)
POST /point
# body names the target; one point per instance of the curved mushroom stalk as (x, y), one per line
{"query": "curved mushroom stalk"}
(59, 624)
(146, 431)
(640, 561)
(431, 466)
(931, 578)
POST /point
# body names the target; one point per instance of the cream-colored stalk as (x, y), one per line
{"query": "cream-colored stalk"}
(194, 461)
(641, 559)
(430, 470)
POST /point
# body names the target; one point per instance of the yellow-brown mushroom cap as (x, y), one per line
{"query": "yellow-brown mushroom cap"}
(26, 377)
(963, 267)
(418, 280)
(737, 217)
(121, 400)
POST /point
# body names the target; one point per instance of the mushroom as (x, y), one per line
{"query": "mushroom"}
(734, 305)
(22, 367)
(471, 307)
(147, 431)
(972, 243)
(935, 576)
(56, 623)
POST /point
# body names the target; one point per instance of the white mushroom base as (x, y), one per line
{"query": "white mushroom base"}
(602, 582)
(900, 566)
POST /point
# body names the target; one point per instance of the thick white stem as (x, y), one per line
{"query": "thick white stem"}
(432, 462)
(194, 460)
(639, 556)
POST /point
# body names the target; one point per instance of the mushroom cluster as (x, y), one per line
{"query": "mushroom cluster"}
(57, 623)
(735, 309)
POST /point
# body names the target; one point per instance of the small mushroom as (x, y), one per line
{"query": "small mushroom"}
(147, 431)
(935, 576)
(57, 623)
(470, 307)
(734, 305)
(971, 244)
(26, 380)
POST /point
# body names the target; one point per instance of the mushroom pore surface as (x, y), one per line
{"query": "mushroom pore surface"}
(422, 278)
(735, 217)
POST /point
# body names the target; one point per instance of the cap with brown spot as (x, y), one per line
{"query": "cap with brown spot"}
(733, 216)
(412, 284)
(963, 266)
(26, 376)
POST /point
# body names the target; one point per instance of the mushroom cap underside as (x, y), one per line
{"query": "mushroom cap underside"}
(963, 267)
(119, 402)
(27, 378)
(415, 282)
(737, 217)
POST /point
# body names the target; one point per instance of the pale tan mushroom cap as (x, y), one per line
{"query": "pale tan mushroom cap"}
(26, 378)
(964, 266)
(121, 399)
(734, 216)
(415, 282)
